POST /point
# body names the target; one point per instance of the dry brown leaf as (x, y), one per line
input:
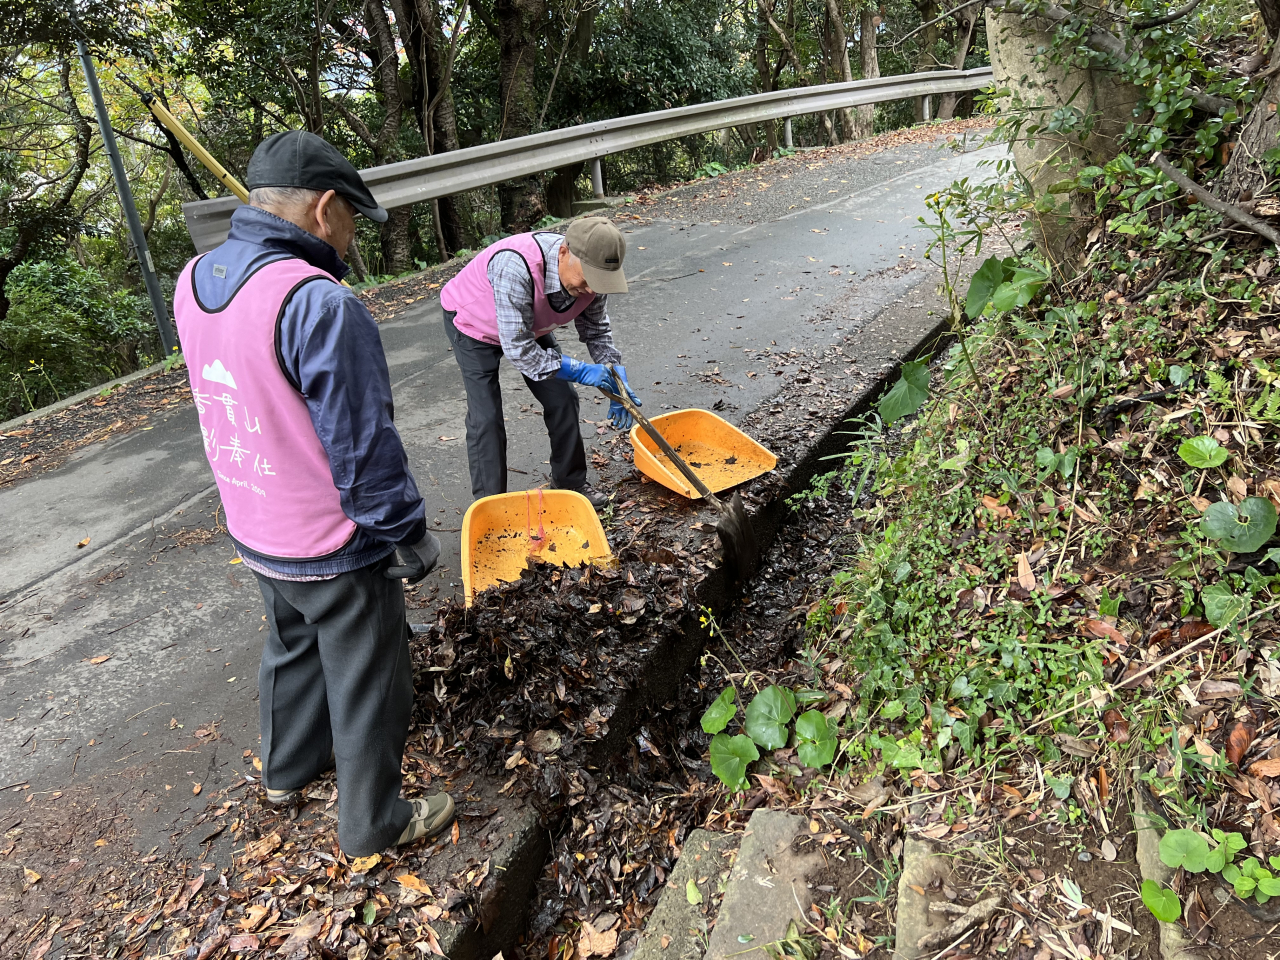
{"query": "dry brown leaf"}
(1239, 740)
(1217, 690)
(306, 930)
(365, 864)
(1194, 630)
(544, 741)
(253, 917)
(1238, 487)
(83, 543)
(261, 847)
(414, 883)
(455, 834)
(1265, 768)
(996, 507)
(1075, 746)
(1087, 515)
(1026, 579)
(1200, 503)
(103, 658)
(1117, 726)
(1103, 631)
(593, 943)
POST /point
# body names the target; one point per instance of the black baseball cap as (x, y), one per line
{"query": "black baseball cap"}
(297, 158)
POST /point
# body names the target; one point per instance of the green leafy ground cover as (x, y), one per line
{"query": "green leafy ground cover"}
(1066, 572)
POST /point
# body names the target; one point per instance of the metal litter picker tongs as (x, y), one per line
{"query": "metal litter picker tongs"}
(741, 552)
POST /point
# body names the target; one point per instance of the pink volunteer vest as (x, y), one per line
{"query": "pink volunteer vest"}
(470, 294)
(271, 469)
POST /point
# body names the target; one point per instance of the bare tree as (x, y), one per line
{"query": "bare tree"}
(521, 199)
(966, 24)
(868, 21)
(840, 53)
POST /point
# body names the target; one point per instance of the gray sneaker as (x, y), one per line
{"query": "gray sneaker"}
(282, 798)
(430, 816)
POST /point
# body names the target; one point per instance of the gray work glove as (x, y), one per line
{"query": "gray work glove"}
(414, 560)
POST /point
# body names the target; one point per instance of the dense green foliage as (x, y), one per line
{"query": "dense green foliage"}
(67, 330)
(386, 82)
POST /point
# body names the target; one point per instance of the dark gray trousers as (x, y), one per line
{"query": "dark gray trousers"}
(336, 675)
(486, 430)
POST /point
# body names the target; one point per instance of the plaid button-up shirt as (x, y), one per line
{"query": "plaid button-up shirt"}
(513, 296)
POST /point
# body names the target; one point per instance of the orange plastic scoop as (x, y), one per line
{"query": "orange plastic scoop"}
(718, 452)
(500, 534)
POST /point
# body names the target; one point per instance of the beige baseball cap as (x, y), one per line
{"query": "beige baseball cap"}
(601, 247)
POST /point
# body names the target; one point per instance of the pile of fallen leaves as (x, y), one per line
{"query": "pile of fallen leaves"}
(527, 678)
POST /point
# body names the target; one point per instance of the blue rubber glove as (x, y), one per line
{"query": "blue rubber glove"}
(587, 374)
(622, 420)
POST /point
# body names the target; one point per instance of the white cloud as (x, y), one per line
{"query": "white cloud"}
(218, 374)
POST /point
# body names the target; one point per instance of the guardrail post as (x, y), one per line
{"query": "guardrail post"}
(597, 179)
(926, 107)
(786, 133)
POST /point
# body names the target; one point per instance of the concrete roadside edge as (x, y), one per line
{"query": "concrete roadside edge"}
(80, 397)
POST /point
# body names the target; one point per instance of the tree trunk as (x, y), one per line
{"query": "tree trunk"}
(584, 29)
(1245, 175)
(427, 49)
(1270, 10)
(518, 20)
(867, 18)
(966, 28)
(764, 77)
(840, 54)
(827, 68)
(928, 44)
(397, 254)
(562, 190)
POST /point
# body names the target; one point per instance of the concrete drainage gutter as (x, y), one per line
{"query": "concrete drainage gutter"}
(898, 333)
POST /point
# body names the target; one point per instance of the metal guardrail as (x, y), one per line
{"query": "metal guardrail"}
(444, 174)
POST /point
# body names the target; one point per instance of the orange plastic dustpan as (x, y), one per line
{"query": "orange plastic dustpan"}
(720, 454)
(501, 533)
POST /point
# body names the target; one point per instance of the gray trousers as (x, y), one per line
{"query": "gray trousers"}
(486, 430)
(336, 675)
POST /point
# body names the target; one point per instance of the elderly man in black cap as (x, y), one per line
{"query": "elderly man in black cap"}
(291, 386)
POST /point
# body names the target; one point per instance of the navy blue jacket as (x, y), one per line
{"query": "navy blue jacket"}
(329, 345)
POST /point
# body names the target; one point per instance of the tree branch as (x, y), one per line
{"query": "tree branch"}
(949, 13)
(782, 36)
(358, 126)
(1213, 203)
(1178, 14)
(487, 19)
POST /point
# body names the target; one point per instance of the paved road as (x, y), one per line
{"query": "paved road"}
(155, 592)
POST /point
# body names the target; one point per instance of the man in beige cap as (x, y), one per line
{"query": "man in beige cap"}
(506, 302)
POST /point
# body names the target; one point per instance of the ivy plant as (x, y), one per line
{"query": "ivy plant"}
(1192, 852)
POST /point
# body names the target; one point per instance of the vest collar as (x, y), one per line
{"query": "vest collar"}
(551, 268)
(257, 226)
